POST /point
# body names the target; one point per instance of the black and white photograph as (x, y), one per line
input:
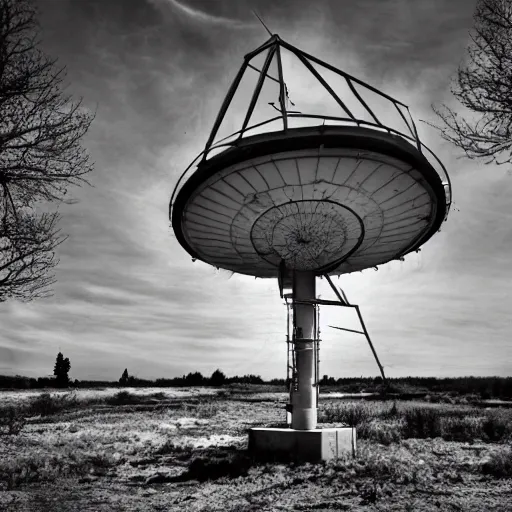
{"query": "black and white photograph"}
(255, 255)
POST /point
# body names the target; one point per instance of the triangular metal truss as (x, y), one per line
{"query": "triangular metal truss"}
(272, 49)
(353, 108)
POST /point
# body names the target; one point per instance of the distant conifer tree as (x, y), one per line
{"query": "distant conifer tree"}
(61, 370)
(124, 378)
(218, 378)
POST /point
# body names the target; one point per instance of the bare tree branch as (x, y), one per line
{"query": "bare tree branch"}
(484, 86)
(41, 155)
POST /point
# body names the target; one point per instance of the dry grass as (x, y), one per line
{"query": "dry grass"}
(76, 436)
(385, 423)
(499, 464)
(113, 443)
(12, 420)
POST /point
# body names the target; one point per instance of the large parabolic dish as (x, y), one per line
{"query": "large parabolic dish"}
(338, 195)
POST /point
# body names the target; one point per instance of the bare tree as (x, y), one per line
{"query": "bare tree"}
(27, 254)
(40, 153)
(483, 85)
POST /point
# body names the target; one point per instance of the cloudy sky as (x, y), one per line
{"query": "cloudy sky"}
(129, 296)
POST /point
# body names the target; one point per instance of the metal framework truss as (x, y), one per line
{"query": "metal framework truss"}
(272, 49)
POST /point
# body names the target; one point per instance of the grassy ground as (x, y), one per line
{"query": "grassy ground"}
(171, 449)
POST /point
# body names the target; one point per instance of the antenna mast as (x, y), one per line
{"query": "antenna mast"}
(262, 22)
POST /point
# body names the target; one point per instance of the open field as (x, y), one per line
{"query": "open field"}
(184, 449)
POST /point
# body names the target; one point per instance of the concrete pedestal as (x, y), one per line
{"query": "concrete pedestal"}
(302, 445)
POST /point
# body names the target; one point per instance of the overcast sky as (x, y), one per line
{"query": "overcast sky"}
(129, 296)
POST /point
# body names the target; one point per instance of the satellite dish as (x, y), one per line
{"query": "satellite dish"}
(335, 195)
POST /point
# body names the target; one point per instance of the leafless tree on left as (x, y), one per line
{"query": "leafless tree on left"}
(41, 153)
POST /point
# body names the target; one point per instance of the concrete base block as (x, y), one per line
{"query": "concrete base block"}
(302, 445)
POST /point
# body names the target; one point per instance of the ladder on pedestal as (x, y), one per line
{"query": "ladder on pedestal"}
(291, 362)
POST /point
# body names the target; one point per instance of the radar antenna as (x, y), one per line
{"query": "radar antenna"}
(332, 189)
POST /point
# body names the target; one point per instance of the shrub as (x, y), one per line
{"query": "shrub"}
(391, 413)
(159, 395)
(42, 468)
(19, 471)
(123, 398)
(497, 427)
(462, 429)
(380, 432)
(170, 448)
(351, 415)
(213, 468)
(46, 404)
(206, 410)
(421, 423)
(499, 465)
(12, 420)
(379, 468)
(98, 461)
(384, 424)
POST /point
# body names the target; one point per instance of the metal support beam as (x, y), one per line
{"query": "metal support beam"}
(257, 90)
(345, 329)
(282, 89)
(335, 289)
(370, 343)
(344, 302)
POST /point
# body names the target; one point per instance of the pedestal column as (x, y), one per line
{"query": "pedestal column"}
(304, 413)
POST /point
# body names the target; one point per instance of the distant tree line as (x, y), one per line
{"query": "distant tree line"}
(217, 378)
(61, 380)
(483, 387)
